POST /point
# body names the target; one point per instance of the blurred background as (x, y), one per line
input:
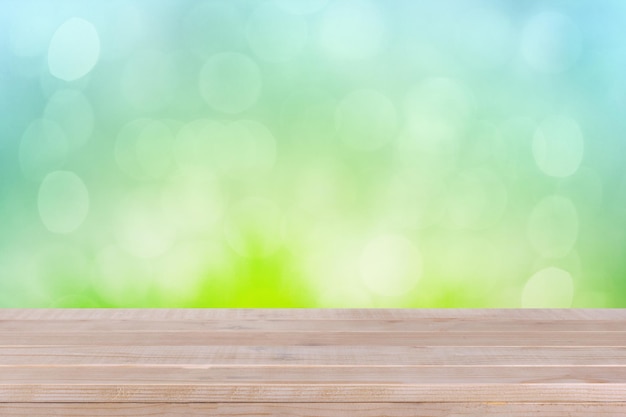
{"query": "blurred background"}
(312, 153)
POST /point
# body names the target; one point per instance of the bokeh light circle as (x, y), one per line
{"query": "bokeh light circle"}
(73, 112)
(414, 200)
(549, 288)
(477, 199)
(144, 148)
(309, 117)
(486, 37)
(63, 202)
(553, 226)
(390, 265)
(196, 143)
(245, 150)
(194, 200)
(551, 42)
(123, 29)
(141, 226)
(149, 80)
(43, 148)
(230, 82)
(74, 49)
(366, 120)
(212, 26)
(352, 30)
(276, 35)
(437, 111)
(302, 6)
(442, 99)
(558, 146)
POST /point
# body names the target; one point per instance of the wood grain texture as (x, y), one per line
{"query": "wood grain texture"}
(265, 325)
(151, 314)
(308, 338)
(240, 356)
(339, 374)
(159, 391)
(314, 410)
(320, 356)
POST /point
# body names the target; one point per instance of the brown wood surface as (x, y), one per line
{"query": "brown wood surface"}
(152, 314)
(455, 361)
(315, 410)
(311, 338)
(251, 356)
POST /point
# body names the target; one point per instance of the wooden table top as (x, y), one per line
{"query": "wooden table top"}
(309, 355)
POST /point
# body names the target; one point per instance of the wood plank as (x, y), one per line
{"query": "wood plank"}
(149, 314)
(277, 356)
(314, 410)
(247, 356)
(141, 375)
(297, 338)
(264, 325)
(161, 391)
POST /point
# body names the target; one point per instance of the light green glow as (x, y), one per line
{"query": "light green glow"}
(312, 153)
